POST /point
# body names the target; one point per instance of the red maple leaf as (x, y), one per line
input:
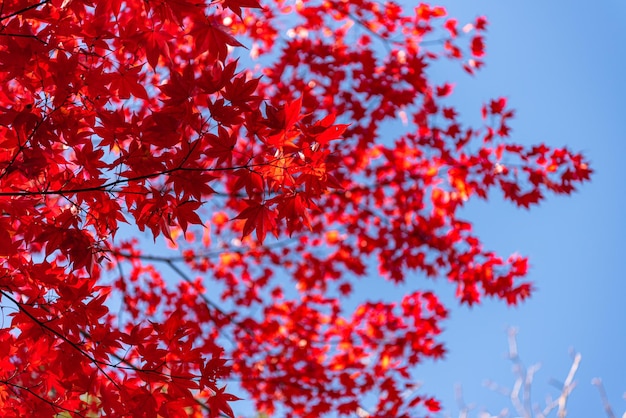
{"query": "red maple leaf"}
(258, 217)
(236, 5)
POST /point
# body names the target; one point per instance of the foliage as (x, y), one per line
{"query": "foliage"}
(258, 141)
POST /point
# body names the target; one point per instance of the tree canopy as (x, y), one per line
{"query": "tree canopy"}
(288, 153)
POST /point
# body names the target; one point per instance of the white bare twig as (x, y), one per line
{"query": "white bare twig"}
(520, 393)
(605, 400)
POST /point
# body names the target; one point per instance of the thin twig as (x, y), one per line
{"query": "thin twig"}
(605, 400)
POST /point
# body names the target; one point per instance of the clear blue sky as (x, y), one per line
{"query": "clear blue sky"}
(560, 64)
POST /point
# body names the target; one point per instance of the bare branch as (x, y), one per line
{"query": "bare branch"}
(605, 400)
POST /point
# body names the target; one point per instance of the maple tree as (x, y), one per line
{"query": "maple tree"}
(254, 139)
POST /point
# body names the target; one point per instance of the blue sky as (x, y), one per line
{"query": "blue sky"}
(560, 64)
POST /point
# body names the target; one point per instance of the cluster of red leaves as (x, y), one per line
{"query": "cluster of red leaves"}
(138, 112)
